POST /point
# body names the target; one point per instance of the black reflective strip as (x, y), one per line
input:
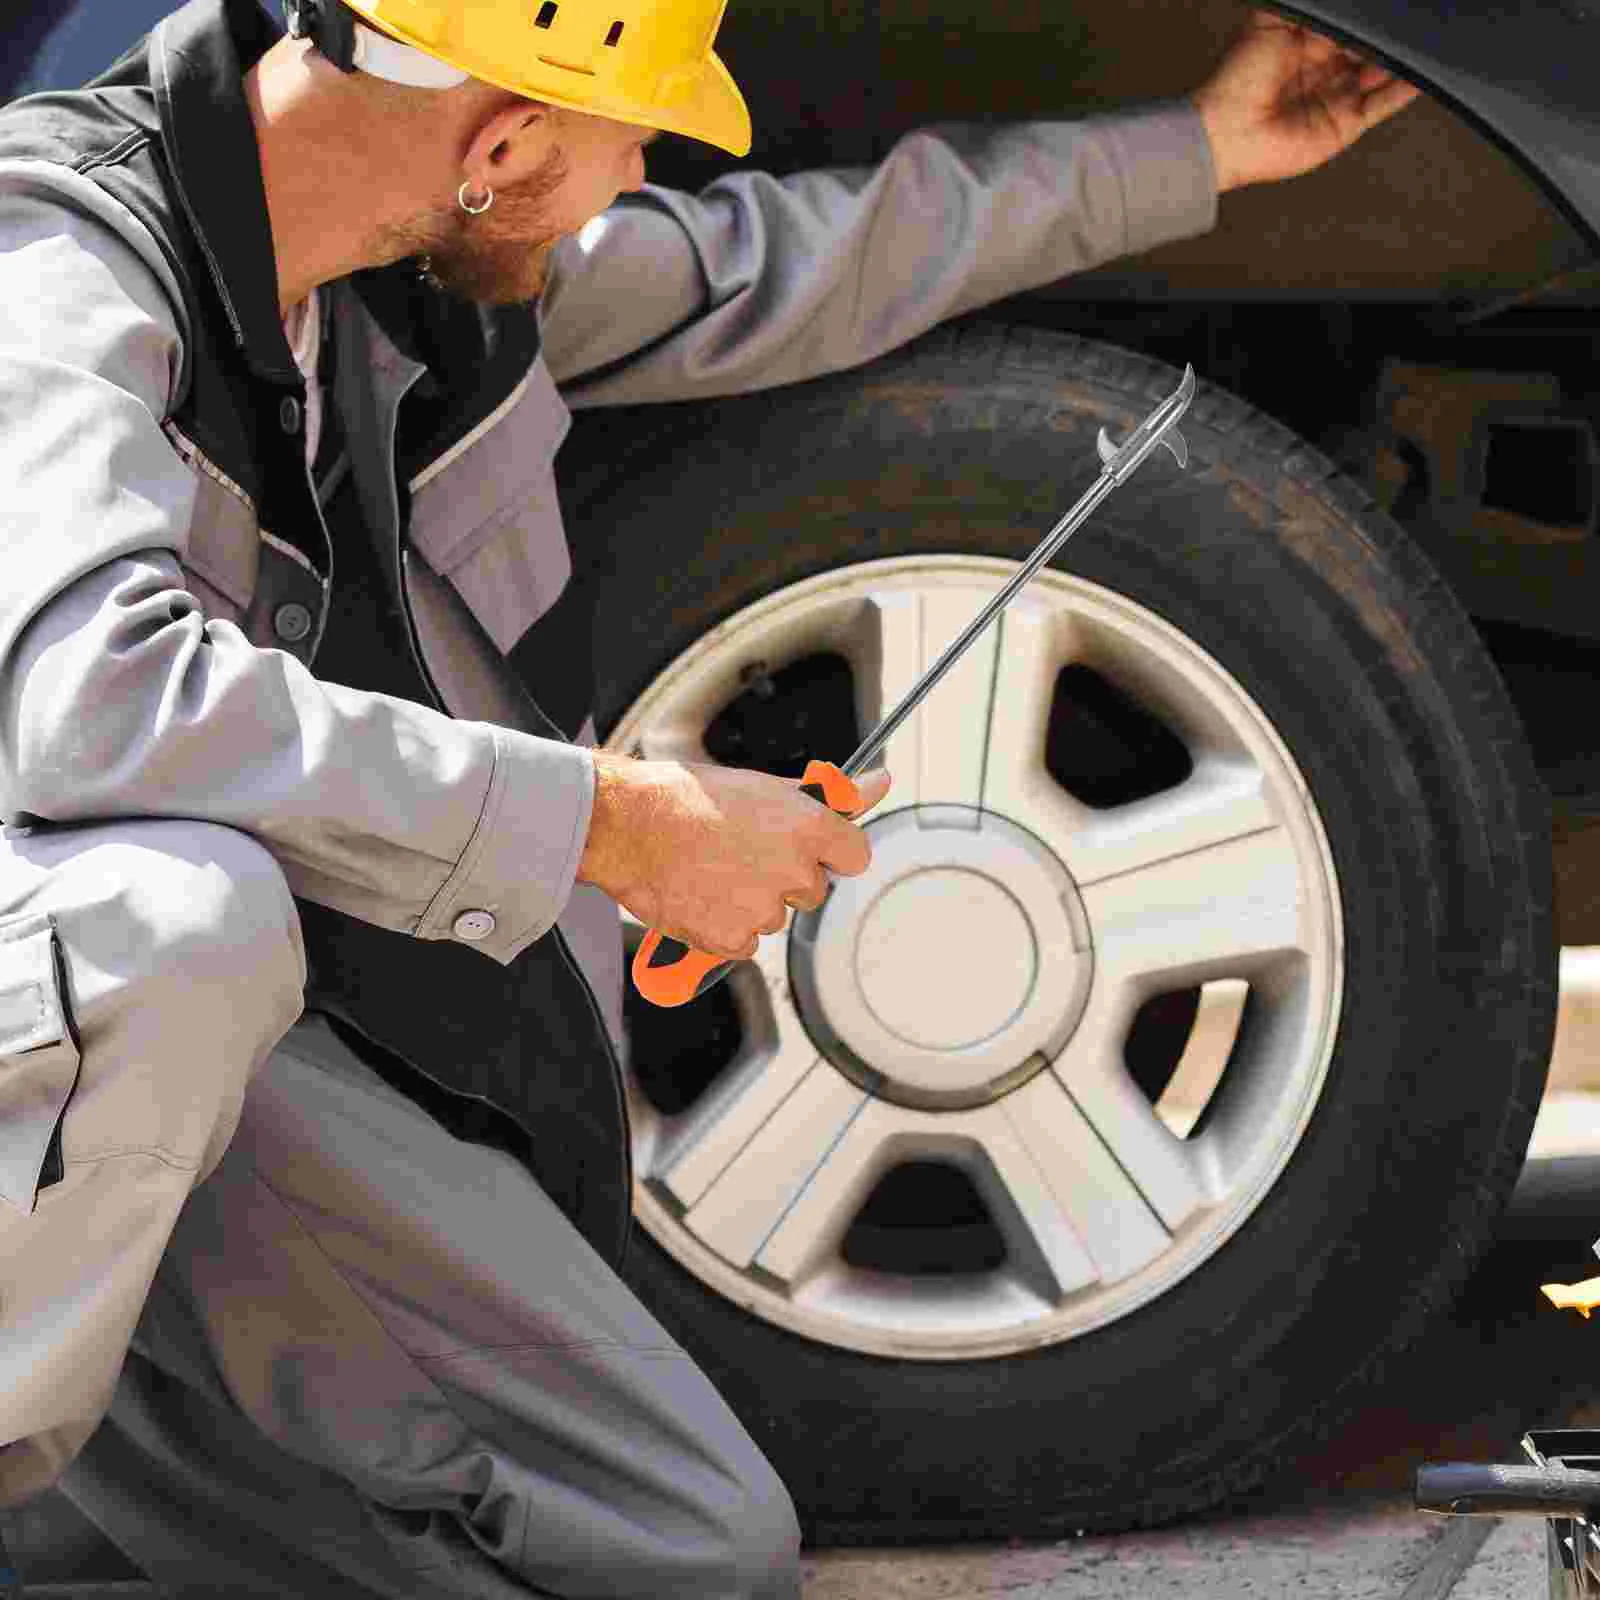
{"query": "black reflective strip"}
(555, 659)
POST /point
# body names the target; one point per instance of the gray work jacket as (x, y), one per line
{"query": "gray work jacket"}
(167, 576)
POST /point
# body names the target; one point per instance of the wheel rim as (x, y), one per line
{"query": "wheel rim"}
(1211, 896)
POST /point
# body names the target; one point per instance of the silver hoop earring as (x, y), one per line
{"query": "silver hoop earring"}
(472, 210)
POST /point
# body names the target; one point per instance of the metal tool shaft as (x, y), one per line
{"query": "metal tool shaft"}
(1119, 464)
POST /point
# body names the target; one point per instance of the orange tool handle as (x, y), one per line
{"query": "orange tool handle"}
(665, 970)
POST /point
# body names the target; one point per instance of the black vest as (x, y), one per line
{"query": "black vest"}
(515, 1056)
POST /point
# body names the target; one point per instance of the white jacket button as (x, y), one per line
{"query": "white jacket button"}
(472, 926)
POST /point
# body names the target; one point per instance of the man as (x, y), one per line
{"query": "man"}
(289, 327)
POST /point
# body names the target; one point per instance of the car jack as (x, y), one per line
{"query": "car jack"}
(1560, 1482)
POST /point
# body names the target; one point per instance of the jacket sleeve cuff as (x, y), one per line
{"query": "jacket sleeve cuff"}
(514, 878)
(1169, 179)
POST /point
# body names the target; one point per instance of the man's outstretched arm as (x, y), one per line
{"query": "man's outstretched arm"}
(760, 281)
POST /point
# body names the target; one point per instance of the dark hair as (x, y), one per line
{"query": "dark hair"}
(330, 26)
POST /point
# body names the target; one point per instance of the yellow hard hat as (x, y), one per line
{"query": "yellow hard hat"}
(647, 62)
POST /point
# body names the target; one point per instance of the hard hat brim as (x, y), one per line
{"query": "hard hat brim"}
(715, 112)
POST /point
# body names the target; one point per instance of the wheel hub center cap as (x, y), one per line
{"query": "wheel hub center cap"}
(953, 969)
(945, 958)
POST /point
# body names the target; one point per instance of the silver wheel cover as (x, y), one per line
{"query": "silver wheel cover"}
(967, 999)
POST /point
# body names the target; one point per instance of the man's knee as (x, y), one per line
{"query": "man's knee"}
(223, 910)
(184, 966)
(186, 914)
(762, 1539)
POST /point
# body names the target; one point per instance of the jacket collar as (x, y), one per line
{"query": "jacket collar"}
(199, 56)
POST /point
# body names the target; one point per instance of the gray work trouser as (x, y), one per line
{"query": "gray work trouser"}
(367, 1358)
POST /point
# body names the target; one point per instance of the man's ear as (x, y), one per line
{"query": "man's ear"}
(509, 143)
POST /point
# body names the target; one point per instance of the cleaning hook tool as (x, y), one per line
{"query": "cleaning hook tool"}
(668, 972)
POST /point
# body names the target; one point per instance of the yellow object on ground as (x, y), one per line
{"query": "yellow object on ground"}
(1583, 1297)
(642, 61)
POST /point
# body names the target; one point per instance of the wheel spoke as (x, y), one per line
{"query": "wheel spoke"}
(885, 650)
(699, 1145)
(1221, 801)
(1104, 1211)
(1201, 890)
(1032, 647)
(1166, 1172)
(809, 1233)
(934, 758)
(1045, 1245)
(750, 1196)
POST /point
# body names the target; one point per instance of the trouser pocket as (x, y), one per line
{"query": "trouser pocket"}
(38, 1058)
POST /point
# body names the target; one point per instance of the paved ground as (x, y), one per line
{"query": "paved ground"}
(1379, 1552)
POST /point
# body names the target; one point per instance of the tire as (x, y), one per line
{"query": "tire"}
(1283, 576)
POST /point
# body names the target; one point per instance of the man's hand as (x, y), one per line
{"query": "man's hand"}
(1286, 100)
(714, 856)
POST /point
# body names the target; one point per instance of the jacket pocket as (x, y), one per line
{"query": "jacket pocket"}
(38, 1058)
(484, 516)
